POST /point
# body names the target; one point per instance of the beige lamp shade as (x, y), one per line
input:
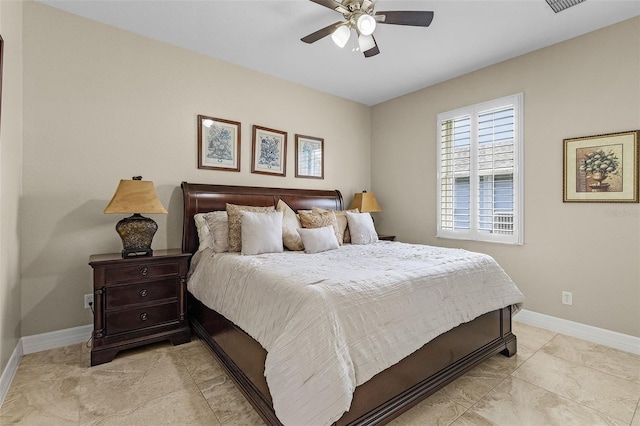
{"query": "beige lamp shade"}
(135, 196)
(365, 202)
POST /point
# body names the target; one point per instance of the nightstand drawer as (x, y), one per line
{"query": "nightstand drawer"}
(143, 292)
(138, 272)
(132, 319)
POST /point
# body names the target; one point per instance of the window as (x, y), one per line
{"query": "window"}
(480, 172)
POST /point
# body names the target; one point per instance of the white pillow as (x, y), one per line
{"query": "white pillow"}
(261, 232)
(204, 236)
(317, 240)
(361, 228)
(218, 224)
(290, 223)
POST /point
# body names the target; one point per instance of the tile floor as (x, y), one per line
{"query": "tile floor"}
(553, 380)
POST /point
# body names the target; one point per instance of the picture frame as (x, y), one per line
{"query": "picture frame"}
(309, 157)
(601, 168)
(218, 144)
(269, 151)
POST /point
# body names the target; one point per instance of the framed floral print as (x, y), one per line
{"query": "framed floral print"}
(602, 168)
(269, 151)
(218, 144)
(309, 157)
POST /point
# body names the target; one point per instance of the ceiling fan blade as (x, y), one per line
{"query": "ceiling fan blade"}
(331, 4)
(315, 36)
(373, 51)
(415, 18)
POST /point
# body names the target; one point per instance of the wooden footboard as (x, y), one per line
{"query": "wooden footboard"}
(387, 394)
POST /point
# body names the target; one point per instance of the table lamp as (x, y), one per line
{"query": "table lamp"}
(365, 202)
(136, 196)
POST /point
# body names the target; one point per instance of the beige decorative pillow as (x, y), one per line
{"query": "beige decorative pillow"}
(290, 225)
(341, 218)
(235, 222)
(319, 220)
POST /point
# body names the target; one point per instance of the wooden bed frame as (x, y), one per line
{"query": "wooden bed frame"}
(387, 394)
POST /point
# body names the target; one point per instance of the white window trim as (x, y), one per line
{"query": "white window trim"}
(518, 172)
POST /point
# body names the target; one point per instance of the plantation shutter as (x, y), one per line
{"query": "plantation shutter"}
(478, 172)
(495, 170)
(456, 161)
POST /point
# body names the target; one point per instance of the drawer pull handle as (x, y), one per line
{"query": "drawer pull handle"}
(144, 272)
(143, 292)
(144, 316)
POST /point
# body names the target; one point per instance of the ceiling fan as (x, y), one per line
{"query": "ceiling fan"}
(360, 16)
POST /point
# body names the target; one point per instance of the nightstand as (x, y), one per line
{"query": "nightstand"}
(137, 301)
(387, 237)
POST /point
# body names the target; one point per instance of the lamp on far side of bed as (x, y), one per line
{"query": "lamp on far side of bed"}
(136, 196)
(365, 202)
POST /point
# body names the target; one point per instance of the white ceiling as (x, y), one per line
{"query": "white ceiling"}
(264, 35)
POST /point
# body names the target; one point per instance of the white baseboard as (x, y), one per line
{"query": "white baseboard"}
(56, 339)
(10, 371)
(597, 335)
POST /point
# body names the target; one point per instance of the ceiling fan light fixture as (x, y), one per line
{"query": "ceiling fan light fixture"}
(341, 36)
(366, 24)
(366, 42)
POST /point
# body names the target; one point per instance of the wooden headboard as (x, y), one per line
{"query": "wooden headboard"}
(202, 198)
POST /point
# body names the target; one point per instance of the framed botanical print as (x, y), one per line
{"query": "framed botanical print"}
(269, 151)
(309, 157)
(218, 144)
(601, 168)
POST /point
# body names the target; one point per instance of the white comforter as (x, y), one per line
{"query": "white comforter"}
(331, 321)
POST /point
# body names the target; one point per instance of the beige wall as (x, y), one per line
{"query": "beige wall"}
(10, 178)
(585, 86)
(103, 104)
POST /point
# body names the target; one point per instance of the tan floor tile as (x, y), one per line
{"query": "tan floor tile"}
(128, 383)
(603, 392)
(47, 366)
(515, 402)
(473, 385)
(43, 375)
(199, 361)
(68, 355)
(186, 407)
(636, 418)
(229, 405)
(530, 339)
(437, 410)
(619, 363)
(44, 388)
(51, 402)
(470, 418)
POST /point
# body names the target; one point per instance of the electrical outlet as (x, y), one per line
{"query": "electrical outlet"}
(567, 298)
(88, 301)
